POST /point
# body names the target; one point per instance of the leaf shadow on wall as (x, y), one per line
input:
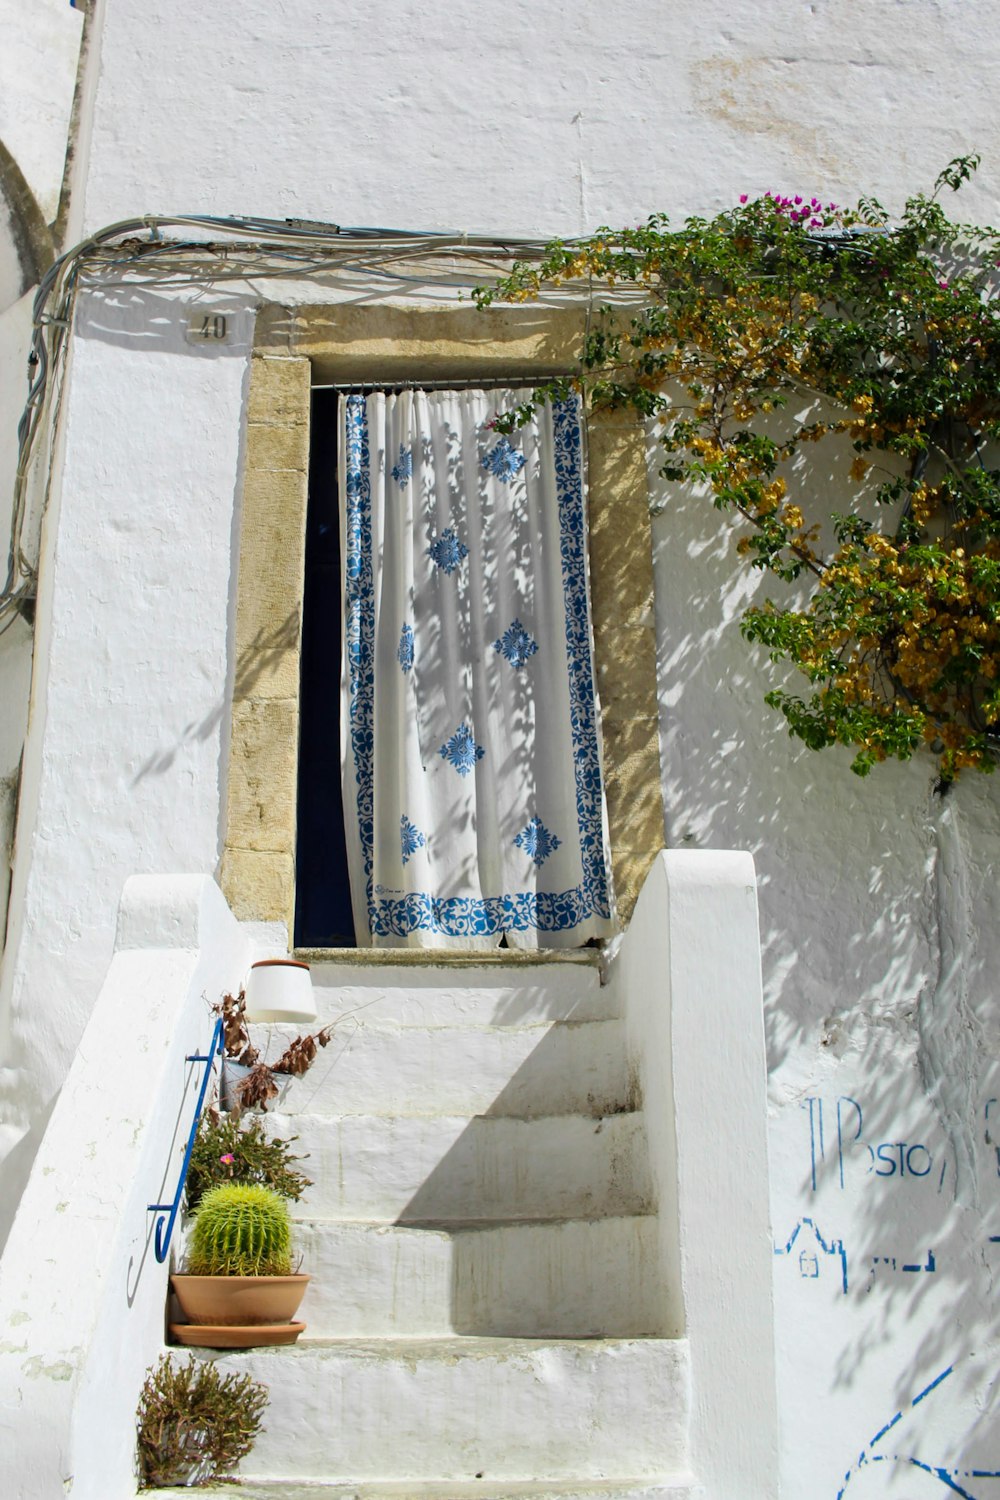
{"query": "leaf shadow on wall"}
(878, 985)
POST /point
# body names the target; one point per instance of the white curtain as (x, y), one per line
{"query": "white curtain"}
(472, 785)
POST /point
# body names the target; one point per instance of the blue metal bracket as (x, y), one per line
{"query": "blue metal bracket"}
(163, 1234)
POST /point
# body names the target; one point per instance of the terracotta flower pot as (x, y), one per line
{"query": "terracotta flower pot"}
(239, 1301)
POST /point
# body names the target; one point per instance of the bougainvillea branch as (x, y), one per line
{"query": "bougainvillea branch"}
(889, 332)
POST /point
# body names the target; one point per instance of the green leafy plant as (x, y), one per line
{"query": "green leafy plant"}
(194, 1423)
(227, 1149)
(241, 1230)
(786, 323)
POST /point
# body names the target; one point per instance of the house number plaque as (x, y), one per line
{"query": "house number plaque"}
(209, 328)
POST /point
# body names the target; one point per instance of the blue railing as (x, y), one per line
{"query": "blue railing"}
(163, 1235)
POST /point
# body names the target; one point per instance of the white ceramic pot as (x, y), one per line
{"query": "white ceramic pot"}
(279, 989)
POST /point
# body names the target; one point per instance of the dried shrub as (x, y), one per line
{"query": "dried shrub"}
(258, 1088)
(193, 1424)
(236, 1033)
(255, 1091)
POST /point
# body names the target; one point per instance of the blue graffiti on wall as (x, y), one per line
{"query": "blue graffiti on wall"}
(951, 1478)
(813, 1246)
(895, 1264)
(896, 1159)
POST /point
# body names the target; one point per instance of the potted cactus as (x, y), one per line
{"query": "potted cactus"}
(239, 1289)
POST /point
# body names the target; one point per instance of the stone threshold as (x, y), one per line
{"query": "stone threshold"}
(447, 958)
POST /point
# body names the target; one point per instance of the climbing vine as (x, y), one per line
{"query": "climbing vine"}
(785, 323)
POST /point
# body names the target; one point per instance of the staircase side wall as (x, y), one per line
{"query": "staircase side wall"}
(81, 1294)
(690, 978)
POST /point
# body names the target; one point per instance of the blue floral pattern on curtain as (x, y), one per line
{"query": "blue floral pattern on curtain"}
(506, 550)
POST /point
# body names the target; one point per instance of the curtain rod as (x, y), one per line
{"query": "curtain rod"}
(505, 382)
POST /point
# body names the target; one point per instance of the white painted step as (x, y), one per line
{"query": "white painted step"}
(527, 1070)
(507, 993)
(458, 1409)
(683, 1488)
(577, 1278)
(421, 1168)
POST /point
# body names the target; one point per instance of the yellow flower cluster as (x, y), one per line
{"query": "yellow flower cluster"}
(901, 638)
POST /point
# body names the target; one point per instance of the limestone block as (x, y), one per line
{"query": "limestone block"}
(262, 774)
(631, 868)
(258, 884)
(273, 329)
(272, 560)
(277, 445)
(268, 621)
(279, 390)
(345, 342)
(635, 806)
(631, 757)
(264, 672)
(626, 671)
(621, 565)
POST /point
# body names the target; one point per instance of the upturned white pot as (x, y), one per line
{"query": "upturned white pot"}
(280, 989)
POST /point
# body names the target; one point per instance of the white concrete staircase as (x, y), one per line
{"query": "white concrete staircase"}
(487, 1315)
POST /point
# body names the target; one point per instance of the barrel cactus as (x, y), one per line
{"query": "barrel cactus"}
(241, 1230)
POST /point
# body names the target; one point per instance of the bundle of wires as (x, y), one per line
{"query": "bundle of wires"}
(213, 251)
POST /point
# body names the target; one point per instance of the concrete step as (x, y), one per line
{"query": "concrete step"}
(504, 993)
(550, 1279)
(419, 1168)
(460, 1409)
(682, 1488)
(523, 1070)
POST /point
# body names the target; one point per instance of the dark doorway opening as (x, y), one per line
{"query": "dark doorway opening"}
(323, 914)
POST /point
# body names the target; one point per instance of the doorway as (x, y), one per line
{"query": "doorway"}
(323, 917)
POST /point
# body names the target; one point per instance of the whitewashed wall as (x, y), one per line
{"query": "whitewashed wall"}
(15, 643)
(124, 766)
(447, 114)
(37, 78)
(878, 911)
(84, 1320)
(877, 903)
(38, 58)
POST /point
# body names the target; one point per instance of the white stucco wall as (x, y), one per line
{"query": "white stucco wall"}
(878, 909)
(15, 643)
(41, 42)
(688, 973)
(554, 117)
(38, 69)
(126, 753)
(877, 903)
(84, 1321)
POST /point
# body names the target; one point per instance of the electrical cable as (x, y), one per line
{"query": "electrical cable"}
(243, 249)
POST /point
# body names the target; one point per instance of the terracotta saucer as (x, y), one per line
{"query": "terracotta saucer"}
(238, 1336)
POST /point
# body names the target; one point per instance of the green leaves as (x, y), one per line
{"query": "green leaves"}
(892, 331)
(958, 170)
(234, 1148)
